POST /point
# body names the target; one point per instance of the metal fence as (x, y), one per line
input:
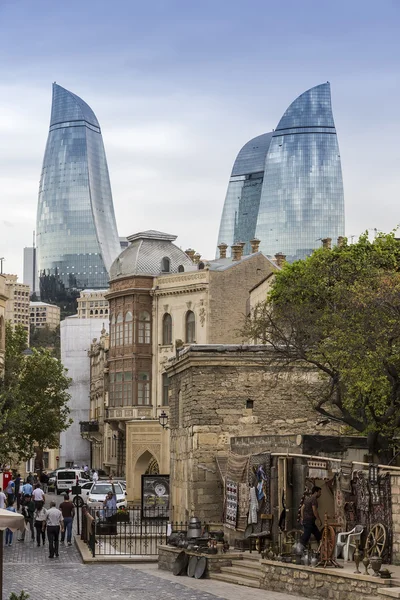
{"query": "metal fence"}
(125, 532)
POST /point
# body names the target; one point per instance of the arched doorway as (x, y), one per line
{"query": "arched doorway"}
(146, 464)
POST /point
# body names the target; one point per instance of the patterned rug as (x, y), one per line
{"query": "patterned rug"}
(231, 491)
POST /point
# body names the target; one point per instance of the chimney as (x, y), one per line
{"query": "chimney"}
(196, 258)
(236, 251)
(327, 243)
(190, 253)
(280, 259)
(340, 241)
(255, 244)
(222, 250)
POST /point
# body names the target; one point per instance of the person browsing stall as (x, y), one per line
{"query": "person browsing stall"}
(309, 516)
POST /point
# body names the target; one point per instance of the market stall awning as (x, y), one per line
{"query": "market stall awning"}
(11, 520)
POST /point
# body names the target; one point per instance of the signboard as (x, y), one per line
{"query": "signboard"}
(155, 496)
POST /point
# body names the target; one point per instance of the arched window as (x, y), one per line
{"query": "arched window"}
(144, 389)
(118, 331)
(165, 265)
(181, 269)
(112, 330)
(190, 327)
(144, 328)
(167, 330)
(128, 327)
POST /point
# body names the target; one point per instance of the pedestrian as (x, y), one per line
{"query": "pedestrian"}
(44, 480)
(110, 503)
(9, 533)
(95, 476)
(2, 499)
(10, 490)
(27, 510)
(26, 490)
(86, 468)
(68, 512)
(17, 483)
(309, 516)
(54, 522)
(29, 479)
(38, 496)
(40, 525)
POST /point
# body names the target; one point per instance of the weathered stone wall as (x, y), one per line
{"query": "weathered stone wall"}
(168, 554)
(229, 297)
(395, 481)
(319, 583)
(210, 391)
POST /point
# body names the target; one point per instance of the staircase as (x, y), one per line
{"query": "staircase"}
(246, 571)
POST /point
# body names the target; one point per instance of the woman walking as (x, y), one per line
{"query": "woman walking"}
(40, 524)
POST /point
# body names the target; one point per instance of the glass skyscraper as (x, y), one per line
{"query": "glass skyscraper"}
(286, 187)
(77, 238)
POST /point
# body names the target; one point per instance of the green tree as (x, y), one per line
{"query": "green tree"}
(44, 337)
(33, 399)
(339, 312)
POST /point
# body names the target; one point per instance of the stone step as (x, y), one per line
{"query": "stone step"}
(235, 579)
(392, 592)
(246, 572)
(249, 564)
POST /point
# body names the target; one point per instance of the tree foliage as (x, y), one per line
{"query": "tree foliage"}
(339, 311)
(33, 399)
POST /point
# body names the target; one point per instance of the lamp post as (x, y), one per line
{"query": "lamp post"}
(163, 420)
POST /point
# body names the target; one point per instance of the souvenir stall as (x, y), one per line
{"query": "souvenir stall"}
(263, 495)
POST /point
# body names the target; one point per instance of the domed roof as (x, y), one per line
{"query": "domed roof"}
(145, 254)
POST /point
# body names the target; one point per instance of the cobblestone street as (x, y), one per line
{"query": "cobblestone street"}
(28, 568)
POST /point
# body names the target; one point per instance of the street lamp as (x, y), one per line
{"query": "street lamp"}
(163, 420)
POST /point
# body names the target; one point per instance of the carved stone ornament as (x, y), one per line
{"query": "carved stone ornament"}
(202, 316)
(189, 305)
(165, 307)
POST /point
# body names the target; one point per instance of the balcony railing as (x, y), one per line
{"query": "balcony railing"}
(89, 426)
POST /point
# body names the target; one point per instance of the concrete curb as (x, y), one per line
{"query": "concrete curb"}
(87, 557)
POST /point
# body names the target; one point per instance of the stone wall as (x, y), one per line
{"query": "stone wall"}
(395, 480)
(229, 297)
(319, 583)
(220, 392)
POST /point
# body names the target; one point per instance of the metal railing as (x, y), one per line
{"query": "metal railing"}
(124, 532)
(89, 426)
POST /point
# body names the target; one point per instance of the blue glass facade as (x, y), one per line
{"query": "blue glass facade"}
(301, 199)
(77, 236)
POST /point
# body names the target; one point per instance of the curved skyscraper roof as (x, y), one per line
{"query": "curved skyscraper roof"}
(301, 200)
(77, 234)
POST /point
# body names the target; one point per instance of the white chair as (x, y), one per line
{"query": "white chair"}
(346, 542)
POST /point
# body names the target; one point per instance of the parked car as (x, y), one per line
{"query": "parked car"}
(98, 492)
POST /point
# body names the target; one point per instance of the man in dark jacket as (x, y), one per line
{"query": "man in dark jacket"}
(28, 511)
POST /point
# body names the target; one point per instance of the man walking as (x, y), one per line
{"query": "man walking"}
(2, 499)
(54, 522)
(10, 490)
(309, 516)
(38, 496)
(17, 490)
(68, 512)
(95, 476)
(27, 489)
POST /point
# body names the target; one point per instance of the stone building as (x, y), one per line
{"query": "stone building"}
(96, 431)
(17, 305)
(219, 392)
(204, 305)
(92, 305)
(132, 411)
(44, 315)
(3, 301)
(161, 299)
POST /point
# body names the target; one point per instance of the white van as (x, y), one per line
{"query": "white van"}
(66, 479)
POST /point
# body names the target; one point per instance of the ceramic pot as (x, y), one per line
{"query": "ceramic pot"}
(376, 563)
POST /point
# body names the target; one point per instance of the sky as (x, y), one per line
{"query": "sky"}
(179, 87)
